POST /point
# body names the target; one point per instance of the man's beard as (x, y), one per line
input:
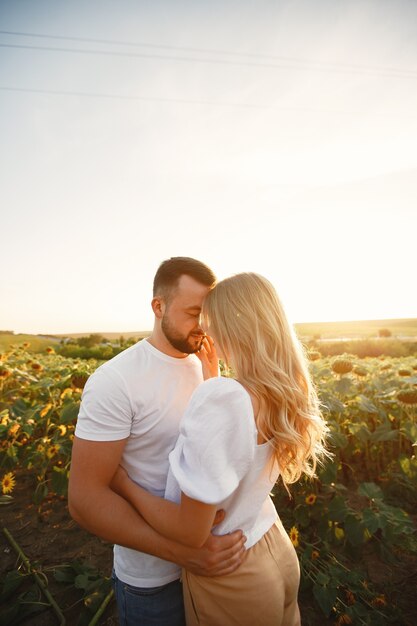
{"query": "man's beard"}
(188, 344)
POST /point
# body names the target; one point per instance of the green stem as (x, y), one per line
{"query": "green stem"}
(37, 578)
(102, 608)
(366, 459)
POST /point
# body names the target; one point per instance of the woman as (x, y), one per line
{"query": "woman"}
(237, 436)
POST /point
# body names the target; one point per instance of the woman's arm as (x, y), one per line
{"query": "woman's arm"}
(188, 523)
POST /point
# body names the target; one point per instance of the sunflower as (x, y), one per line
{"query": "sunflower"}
(294, 536)
(8, 482)
(404, 372)
(45, 409)
(350, 597)
(315, 555)
(13, 429)
(52, 450)
(360, 371)
(66, 392)
(342, 366)
(343, 619)
(407, 396)
(311, 498)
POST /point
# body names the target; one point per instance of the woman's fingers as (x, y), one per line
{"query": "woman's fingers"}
(202, 355)
(208, 345)
(205, 349)
(208, 357)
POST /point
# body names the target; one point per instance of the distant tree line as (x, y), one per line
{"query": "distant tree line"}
(94, 346)
(384, 332)
(365, 347)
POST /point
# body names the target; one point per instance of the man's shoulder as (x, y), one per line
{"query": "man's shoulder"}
(129, 356)
(122, 366)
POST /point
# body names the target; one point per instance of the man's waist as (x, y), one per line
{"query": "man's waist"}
(143, 570)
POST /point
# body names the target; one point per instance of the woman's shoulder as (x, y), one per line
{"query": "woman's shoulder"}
(222, 386)
(218, 406)
(223, 392)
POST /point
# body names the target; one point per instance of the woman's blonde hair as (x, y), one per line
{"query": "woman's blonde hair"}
(248, 321)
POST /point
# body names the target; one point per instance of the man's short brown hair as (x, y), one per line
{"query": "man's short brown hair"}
(170, 271)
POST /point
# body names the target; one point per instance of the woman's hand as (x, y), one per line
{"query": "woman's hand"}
(208, 357)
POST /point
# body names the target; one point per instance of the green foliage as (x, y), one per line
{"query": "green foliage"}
(101, 352)
(38, 412)
(90, 341)
(94, 347)
(384, 332)
(93, 589)
(337, 528)
(359, 505)
(92, 585)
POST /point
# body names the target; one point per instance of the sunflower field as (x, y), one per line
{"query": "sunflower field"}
(354, 527)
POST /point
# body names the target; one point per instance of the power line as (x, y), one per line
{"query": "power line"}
(188, 49)
(206, 61)
(243, 105)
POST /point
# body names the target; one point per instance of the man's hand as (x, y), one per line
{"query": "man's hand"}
(208, 357)
(219, 556)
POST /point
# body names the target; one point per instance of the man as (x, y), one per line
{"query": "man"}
(130, 413)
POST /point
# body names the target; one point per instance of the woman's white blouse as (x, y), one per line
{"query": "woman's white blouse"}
(217, 460)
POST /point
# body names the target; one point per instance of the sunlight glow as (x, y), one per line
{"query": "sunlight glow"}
(302, 170)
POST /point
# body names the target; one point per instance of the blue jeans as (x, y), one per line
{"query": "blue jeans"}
(149, 606)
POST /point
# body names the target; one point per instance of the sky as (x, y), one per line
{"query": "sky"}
(278, 137)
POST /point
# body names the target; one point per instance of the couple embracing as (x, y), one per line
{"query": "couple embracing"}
(174, 463)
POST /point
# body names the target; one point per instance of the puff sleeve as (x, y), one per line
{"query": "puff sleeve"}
(217, 441)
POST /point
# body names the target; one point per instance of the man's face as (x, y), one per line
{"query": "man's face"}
(180, 322)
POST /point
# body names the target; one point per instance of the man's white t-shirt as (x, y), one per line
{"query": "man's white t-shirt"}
(217, 459)
(140, 394)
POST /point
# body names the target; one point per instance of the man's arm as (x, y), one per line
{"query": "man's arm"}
(189, 522)
(97, 508)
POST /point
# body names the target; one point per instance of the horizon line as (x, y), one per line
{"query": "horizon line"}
(141, 332)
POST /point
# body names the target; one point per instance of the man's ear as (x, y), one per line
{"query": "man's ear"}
(158, 307)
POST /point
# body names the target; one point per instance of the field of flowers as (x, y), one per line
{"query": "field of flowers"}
(354, 528)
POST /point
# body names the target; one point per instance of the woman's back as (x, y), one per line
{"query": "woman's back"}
(217, 459)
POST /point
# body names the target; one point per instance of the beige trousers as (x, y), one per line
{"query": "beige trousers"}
(261, 592)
